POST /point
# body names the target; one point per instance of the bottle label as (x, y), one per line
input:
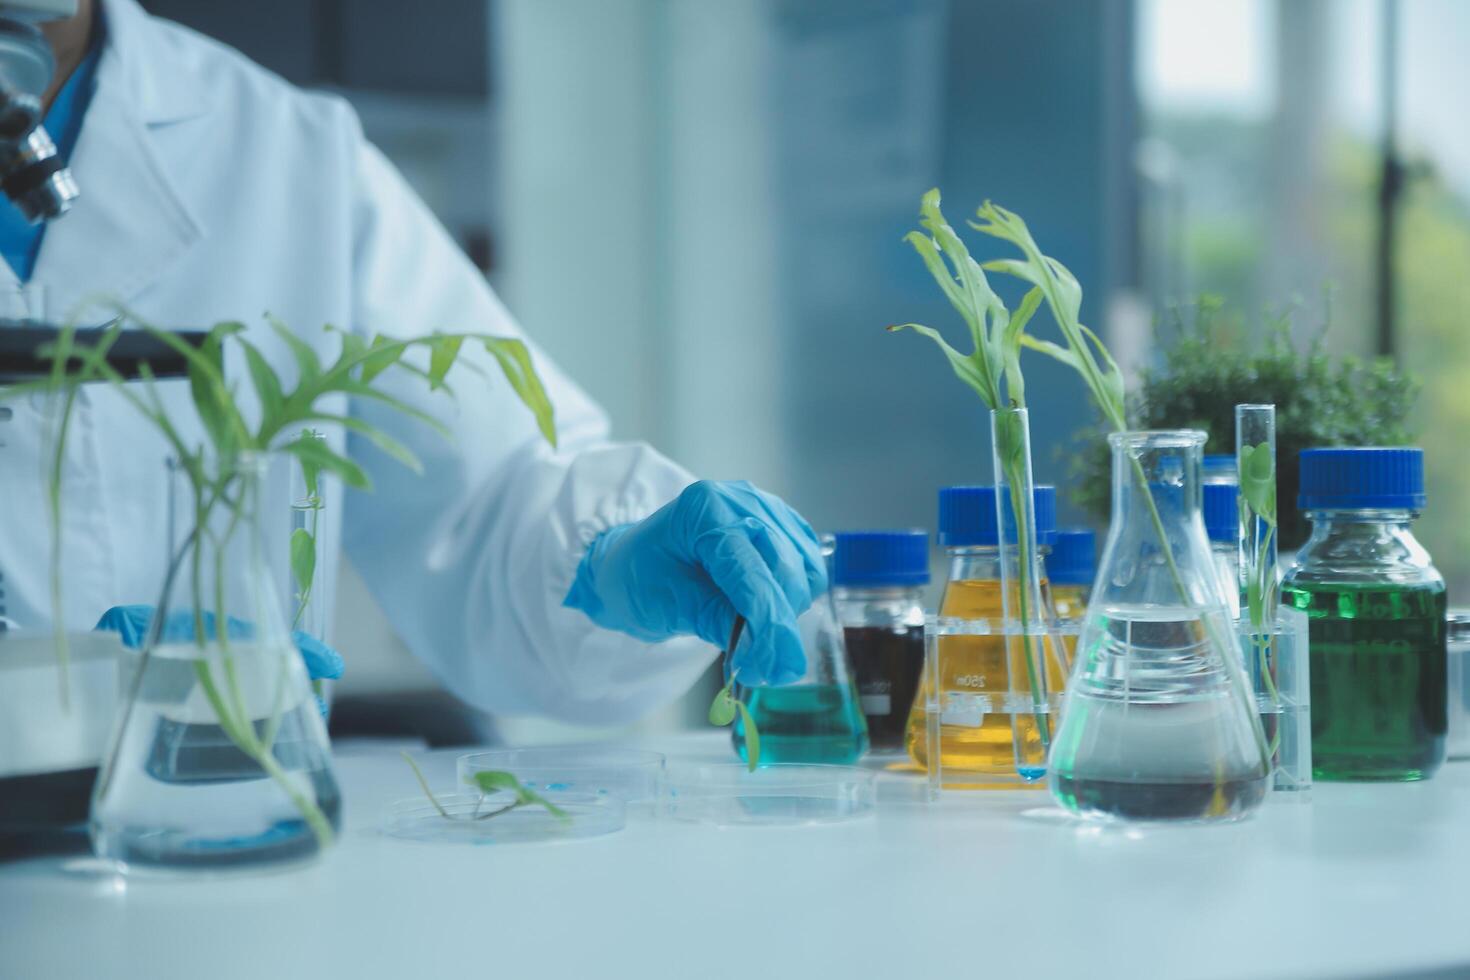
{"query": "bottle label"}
(877, 704)
(962, 709)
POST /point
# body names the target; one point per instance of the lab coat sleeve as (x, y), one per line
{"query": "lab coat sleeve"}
(472, 559)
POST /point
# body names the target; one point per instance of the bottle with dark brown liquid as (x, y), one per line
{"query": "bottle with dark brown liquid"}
(877, 580)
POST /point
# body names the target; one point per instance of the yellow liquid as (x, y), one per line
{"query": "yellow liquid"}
(1069, 601)
(978, 665)
(1070, 604)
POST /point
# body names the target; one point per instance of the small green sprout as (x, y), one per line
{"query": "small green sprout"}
(723, 708)
(487, 782)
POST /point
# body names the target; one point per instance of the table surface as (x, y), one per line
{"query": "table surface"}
(1366, 880)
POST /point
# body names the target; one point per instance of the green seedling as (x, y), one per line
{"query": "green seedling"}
(1257, 468)
(725, 706)
(488, 782)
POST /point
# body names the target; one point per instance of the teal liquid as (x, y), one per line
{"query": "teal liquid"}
(811, 723)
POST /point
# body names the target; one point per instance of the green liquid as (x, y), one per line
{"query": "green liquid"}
(1378, 679)
(813, 723)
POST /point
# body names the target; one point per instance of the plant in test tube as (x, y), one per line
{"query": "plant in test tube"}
(303, 539)
(993, 370)
(209, 466)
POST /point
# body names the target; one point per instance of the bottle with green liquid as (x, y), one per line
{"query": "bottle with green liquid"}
(1376, 612)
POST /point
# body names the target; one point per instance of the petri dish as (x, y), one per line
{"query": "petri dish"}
(729, 795)
(584, 815)
(631, 775)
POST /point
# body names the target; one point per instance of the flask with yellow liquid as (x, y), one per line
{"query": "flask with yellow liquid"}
(981, 684)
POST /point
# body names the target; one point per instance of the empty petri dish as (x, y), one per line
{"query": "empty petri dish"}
(474, 818)
(729, 795)
(631, 775)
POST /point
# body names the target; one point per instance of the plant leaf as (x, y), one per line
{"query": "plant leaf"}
(1257, 468)
(515, 362)
(373, 434)
(752, 737)
(491, 781)
(442, 354)
(963, 367)
(267, 384)
(384, 352)
(1050, 349)
(311, 468)
(303, 560)
(315, 452)
(722, 708)
(308, 365)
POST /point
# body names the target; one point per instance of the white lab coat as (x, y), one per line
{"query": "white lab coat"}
(212, 190)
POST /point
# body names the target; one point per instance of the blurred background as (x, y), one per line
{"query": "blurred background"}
(698, 207)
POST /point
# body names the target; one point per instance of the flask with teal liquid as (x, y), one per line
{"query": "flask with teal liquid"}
(818, 719)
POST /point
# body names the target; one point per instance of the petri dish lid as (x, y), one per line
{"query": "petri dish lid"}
(729, 795)
(584, 815)
(631, 775)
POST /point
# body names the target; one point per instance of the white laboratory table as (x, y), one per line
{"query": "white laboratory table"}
(1367, 880)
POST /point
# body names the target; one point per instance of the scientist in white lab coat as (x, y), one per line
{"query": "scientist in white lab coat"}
(585, 583)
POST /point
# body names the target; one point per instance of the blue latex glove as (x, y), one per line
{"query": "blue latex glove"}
(131, 624)
(719, 549)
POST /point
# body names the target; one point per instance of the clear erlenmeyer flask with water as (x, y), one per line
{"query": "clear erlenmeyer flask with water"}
(1158, 722)
(219, 757)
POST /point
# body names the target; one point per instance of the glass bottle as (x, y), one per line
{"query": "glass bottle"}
(1376, 616)
(976, 739)
(1069, 569)
(219, 758)
(817, 719)
(1219, 468)
(1221, 509)
(1158, 722)
(877, 582)
(1457, 648)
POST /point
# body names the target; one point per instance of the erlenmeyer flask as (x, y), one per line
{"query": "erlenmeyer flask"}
(818, 719)
(219, 757)
(1158, 722)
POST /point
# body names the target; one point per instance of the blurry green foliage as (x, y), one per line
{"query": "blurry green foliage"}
(1208, 366)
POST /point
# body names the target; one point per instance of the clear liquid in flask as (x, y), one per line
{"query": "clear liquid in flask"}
(1154, 728)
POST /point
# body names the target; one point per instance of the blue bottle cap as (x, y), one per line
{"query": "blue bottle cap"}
(1362, 478)
(967, 516)
(1219, 468)
(1073, 557)
(878, 558)
(1222, 512)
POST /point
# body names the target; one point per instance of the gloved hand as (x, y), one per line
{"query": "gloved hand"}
(131, 624)
(717, 550)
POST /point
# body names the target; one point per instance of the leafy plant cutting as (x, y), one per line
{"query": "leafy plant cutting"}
(993, 370)
(221, 501)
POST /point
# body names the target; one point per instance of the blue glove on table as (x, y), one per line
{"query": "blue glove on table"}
(717, 550)
(131, 624)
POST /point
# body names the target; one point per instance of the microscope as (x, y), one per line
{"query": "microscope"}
(32, 176)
